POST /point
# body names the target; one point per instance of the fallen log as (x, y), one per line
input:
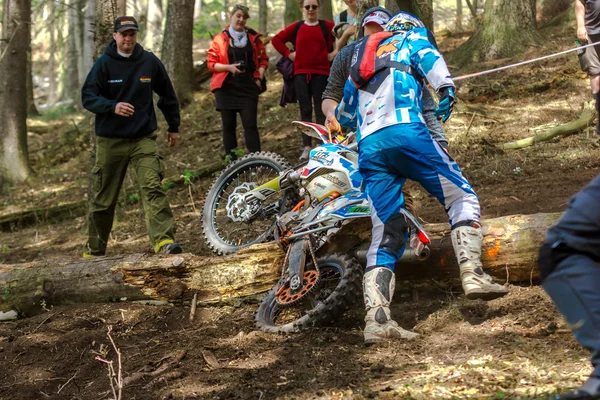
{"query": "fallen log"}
(14, 221)
(509, 254)
(584, 120)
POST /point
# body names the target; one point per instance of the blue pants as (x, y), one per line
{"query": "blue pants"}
(569, 267)
(406, 151)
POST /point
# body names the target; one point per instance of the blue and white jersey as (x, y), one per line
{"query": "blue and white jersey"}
(394, 96)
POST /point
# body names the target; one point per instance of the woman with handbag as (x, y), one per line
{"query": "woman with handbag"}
(238, 60)
(312, 56)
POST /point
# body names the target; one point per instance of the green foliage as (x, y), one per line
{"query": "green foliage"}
(133, 198)
(188, 176)
(58, 112)
(210, 20)
(167, 186)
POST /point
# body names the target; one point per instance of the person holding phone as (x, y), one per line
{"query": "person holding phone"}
(238, 60)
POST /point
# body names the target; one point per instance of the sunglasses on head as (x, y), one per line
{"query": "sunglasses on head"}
(241, 7)
(311, 7)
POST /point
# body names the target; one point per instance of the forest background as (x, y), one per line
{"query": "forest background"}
(516, 347)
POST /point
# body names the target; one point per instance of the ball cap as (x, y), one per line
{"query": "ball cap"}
(126, 23)
(376, 17)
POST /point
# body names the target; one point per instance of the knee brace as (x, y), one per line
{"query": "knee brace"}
(394, 232)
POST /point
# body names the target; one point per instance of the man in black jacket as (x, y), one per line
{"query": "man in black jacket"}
(119, 90)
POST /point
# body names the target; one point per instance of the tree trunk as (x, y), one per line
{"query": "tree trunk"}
(14, 157)
(507, 28)
(292, 12)
(105, 13)
(121, 7)
(52, 50)
(552, 9)
(154, 27)
(363, 5)
(31, 108)
(509, 254)
(263, 15)
(392, 6)
(459, 16)
(421, 8)
(177, 47)
(88, 39)
(325, 10)
(198, 10)
(71, 62)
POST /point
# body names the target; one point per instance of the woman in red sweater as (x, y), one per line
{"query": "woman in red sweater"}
(238, 60)
(312, 56)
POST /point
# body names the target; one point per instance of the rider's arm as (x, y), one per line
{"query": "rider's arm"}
(346, 110)
(428, 60)
(580, 18)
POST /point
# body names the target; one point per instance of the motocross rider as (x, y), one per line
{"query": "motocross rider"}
(383, 101)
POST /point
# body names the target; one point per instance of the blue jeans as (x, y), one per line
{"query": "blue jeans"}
(570, 271)
(574, 287)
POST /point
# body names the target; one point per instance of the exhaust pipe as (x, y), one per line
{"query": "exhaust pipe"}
(409, 256)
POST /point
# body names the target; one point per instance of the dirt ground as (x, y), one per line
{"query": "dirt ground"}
(515, 347)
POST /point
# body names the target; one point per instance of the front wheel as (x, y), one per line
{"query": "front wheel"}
(223, 234)
(338, 287)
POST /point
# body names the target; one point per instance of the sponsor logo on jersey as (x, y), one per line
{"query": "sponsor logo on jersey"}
(145, 79)
(387, 49)
(115, 81)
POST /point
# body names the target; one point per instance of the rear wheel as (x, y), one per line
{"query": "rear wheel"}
(338, 287)
(224, 235)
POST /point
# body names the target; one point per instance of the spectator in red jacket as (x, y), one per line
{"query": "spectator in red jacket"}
(312, 55)
(238, 60)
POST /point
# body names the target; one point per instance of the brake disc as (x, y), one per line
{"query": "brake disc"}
(238, 210)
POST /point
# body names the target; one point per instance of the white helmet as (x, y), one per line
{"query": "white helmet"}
(403, 21)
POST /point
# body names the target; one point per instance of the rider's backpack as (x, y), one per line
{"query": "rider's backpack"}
(370, 58)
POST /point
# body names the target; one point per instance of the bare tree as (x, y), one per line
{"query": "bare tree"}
(263, 15)
(16, 25)
(154, 26)
(363, 5)
(177, 47)
(325, 10)
(506, 29)
(31, 108)
(72, 57)
(198, 10)
(459, 15)
(292, 11)
(88, 54)
(105, 13)
(421, 8)
(121, 7)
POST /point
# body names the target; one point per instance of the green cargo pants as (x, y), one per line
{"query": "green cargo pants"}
(113, 155)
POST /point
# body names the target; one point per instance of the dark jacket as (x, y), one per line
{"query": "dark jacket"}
(114, 79)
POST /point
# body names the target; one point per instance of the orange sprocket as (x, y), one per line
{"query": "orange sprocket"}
(284, 295)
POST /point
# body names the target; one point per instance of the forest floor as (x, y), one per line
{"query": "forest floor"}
(515, 347)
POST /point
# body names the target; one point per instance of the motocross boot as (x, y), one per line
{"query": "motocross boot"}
(467, 242)
(378, 289)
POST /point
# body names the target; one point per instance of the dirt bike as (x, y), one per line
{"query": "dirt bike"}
(318, 214)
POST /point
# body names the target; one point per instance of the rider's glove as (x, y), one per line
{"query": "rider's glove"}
(446, 104)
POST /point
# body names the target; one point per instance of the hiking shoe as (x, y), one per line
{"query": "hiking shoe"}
(171, 248)
(305, 153)
(378, 333)
(89, 255)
